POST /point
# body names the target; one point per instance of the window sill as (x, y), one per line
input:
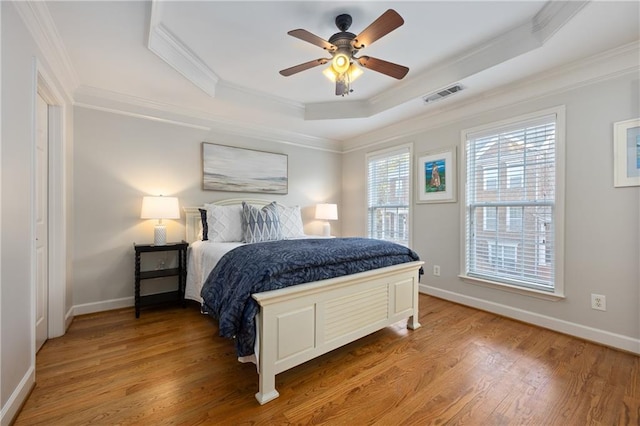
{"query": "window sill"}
(513, 289)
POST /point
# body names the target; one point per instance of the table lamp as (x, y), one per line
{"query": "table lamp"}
(160, 208)
(326, 212)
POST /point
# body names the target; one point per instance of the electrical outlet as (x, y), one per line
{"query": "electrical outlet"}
(598, 302)
(436, 270)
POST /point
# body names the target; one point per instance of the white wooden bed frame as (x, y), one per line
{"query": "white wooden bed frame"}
(299, 323)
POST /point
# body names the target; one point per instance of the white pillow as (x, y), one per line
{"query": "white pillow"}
(224, 223)
(290, 221)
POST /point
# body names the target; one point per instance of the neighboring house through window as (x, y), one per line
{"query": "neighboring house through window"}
(514, 218)
(513, 203)
(490, 219)
(490, 176)
(515, 176)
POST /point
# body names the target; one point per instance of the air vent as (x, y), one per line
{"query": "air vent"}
(441, 94)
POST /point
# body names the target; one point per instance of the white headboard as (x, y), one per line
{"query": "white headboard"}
(193, 222)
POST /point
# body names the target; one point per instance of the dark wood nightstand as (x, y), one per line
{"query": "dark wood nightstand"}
(180, 272)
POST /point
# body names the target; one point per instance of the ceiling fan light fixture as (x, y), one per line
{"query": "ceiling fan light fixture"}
(330, 73)
(340, 63)
(344, 45)
(352, 73)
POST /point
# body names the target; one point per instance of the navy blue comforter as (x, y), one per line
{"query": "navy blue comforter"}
(272, 265)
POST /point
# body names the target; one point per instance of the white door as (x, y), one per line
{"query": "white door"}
(42, 221)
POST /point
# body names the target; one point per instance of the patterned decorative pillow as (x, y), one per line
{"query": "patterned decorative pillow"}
(290, 221)
(260, 224)
(224, 223)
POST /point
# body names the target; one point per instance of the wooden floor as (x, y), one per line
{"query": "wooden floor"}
(462, 367)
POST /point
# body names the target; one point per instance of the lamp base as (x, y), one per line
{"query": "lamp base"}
(160, 235)
(326, 229)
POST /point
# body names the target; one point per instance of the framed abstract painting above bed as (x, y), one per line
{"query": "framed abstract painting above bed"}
(227, 168)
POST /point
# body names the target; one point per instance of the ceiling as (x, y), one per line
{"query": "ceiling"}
(218, 61)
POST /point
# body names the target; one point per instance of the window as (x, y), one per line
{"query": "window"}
(514, 219)
(514, 176)
(388, 194)
(490, 176)
(513, 210)
(490, 218)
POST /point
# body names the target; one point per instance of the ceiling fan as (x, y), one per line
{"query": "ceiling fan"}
(343, 47)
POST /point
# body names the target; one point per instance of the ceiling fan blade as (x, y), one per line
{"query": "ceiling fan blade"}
(313, 39)
(301, 67)
(384, 67)
(387, 22)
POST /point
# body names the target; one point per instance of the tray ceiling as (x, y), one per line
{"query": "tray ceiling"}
(219, 60)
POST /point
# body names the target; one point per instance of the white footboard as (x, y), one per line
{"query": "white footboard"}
(302, 322)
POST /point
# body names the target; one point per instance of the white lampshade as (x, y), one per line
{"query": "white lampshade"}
(160, 208)
(327, 212)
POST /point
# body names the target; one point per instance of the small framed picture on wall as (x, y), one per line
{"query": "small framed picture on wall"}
(626, 153)
(436, 171)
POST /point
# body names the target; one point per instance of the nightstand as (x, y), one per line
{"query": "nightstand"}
(180, 272)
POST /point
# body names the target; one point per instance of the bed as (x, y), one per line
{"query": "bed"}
(301, 322)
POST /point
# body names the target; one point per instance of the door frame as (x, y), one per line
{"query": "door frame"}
(58, 319)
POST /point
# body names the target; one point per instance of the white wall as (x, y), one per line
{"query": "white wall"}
(118, 159)
(17, 85)
(602, 228)
(19, 58)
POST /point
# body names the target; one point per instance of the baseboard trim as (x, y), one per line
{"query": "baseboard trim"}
(68, 318)
(602, 337)
(106, 305)
(17, 399)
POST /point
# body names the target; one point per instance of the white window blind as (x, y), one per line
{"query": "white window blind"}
(510, 201)
(388, 195)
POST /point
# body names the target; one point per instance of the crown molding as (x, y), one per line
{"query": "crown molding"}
(614, 63)
(174, 52)
(553, 16)
(132, 106)
(40, 25)
(170, 49)
(140, 115)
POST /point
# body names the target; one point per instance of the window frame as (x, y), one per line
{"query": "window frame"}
(387, 152)
(559, 206)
